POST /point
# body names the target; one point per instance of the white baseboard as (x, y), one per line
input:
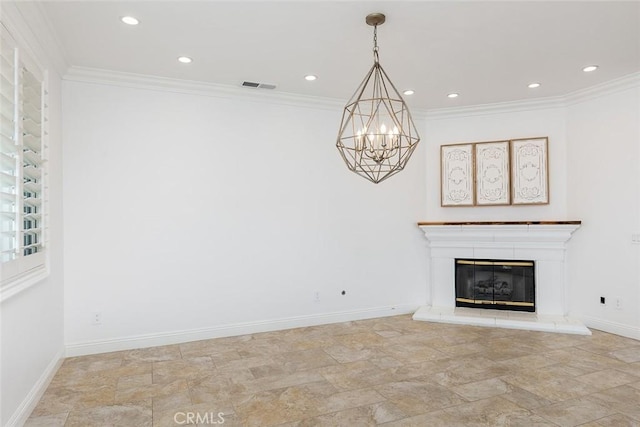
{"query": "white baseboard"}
(30, 402)
(612, 327)
(177, 337)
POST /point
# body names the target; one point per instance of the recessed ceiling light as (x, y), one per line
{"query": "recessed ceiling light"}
(184, 59)
(453, 95)
(310, 77)
(533, 85)
(129, 20)
(408, 92)
(590, 68)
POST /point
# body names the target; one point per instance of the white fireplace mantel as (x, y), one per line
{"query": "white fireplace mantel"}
(543, 242)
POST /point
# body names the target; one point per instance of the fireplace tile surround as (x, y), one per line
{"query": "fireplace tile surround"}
(544, 242)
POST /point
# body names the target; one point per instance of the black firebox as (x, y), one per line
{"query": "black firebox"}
(495, 284)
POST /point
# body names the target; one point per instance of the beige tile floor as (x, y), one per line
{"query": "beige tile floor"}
(391, 371)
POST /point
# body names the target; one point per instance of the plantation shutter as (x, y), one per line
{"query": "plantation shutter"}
(9, 166)
(32, 163)
(23, 132)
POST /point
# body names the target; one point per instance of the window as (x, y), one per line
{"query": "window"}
(23, 177)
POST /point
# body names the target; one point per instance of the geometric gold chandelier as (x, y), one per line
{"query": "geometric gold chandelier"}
(377, 135)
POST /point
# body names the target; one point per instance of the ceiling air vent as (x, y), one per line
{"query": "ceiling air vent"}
(259, 85)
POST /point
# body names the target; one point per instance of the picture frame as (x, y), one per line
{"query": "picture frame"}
(530, 171)
(492, 174)
(457, 175)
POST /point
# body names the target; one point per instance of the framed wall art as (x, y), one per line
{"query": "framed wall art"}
(530, 171)
(492, 173)
(456, 175)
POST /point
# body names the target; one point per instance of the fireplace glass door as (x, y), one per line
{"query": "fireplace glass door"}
(495, 284)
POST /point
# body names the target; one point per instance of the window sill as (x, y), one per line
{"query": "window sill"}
(23, 282)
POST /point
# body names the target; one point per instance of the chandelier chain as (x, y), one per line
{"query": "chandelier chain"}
(375, 44)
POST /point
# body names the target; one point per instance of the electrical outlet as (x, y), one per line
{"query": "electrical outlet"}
(316, 296)
(603, 301)
(96, 318)
(618, 303)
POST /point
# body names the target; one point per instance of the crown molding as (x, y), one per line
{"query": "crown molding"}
(190, 87)
(142, 81)
(497, 108)
(612, 86)
(29, 25)
(627, 82)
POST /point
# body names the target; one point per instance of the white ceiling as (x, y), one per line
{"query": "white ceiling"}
(486, 51)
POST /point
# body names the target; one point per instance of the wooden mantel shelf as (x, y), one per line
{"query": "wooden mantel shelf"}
(428, 223)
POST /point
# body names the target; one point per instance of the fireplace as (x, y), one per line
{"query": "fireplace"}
(495, 284)
(543, 244)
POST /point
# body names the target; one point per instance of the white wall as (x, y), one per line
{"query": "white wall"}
(475, 125)
(604, 191)
(31, 331)
(188, 216)
(594, 156)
